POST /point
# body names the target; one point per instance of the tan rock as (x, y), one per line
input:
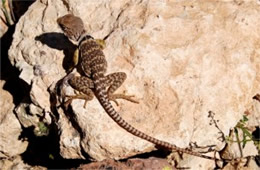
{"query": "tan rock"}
(10, 128)
(69, 138)
(17, 163)
(183, 59)
(135, 163)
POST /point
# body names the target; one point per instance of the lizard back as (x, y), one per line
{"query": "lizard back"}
(92, 58)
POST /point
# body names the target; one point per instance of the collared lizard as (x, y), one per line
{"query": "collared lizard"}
(94, 82)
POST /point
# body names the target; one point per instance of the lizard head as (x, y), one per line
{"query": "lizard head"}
(72, 26)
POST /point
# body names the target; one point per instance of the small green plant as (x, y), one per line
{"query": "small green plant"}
(246, 135)
(41, 130)
(51, 156)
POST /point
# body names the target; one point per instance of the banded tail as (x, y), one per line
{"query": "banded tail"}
(104, 101)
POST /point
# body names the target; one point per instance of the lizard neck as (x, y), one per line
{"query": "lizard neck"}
(84, 37)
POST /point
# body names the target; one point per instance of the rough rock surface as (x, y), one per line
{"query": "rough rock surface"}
(10, 128)
(183, 59)
(16, 163)
(151, 163)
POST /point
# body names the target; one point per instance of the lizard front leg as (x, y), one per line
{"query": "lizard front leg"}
(83, 85)
(113, 82)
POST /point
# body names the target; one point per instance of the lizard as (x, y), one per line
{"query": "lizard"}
(93, 81)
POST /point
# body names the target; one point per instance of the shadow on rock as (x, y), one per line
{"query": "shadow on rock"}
(60, 42)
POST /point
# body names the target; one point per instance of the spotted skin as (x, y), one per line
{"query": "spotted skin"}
(94, 65)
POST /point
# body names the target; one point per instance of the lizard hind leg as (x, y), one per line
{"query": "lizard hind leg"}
(83, 85)
(113, 82)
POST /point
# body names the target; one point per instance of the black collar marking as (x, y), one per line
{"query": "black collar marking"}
(84, 37)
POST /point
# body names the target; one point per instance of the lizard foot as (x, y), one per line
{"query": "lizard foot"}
(78, 96)
(68, 102)
(113, 98)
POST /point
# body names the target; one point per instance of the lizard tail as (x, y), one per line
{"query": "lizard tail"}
(104, 101)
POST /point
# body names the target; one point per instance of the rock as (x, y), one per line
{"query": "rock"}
(243, 165)
(17, 163)
(253, 112)
(69, 139)
(10, 128)
(182, 60)
(150, 163)
(10, 13)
